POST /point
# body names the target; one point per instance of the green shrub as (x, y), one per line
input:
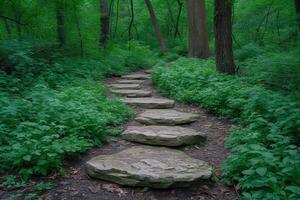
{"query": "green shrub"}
(53, 107)
(264, 158)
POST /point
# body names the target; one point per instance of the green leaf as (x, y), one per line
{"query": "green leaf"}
(261, 171)
(248, 172)
(27, 157)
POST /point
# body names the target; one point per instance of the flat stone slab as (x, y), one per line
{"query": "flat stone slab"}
(148, 71)
(147, 166)
(125, 81)
(149, 102)
(163, 135)
(166, 117)
(125, 86)
(137, 76)
(132, 93)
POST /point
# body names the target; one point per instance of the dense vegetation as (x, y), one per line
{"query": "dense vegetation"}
(50, 110)
(264, 158)
(54, 54)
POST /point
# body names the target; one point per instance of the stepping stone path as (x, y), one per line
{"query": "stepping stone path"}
(152, 166)
(163, 135)
(148, 166)
(149, 102)
(166, 117)
(126, 86)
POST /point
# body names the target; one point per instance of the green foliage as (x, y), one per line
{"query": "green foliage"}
(43, 186)
(53, 107)
(264, 158)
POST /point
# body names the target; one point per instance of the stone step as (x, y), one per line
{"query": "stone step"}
(137, 76)
(148, 71)
(132, 93)
(163, 135)
(147, 166)
(125, 86)
(149, 102)
(166, 117)
(126, 81)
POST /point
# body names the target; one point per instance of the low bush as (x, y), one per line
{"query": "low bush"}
(264, 158)
(54, 107)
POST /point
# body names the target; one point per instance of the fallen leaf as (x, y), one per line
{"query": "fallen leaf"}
(114, 189)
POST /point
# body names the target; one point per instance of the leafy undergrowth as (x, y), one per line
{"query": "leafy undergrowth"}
(53, 108)
(264, 159)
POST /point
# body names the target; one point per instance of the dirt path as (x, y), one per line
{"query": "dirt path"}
(77, 185)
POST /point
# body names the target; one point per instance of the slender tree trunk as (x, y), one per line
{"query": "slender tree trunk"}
(223, 37)
(297, 6)
(110, 14)
(117, 18)
(156, 27)
(131, 21)
(180, 4)
(60, 21)
(198, 36)
(104, 20)
(172, 24)
(7, 27)
(79, 34)
(18, 25)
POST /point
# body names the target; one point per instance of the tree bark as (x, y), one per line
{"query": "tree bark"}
(297, 6)
(180, 4)
(104, 20)
(223, 37)
(79, 34)
(156, 27)
(198, 36)
(7, 27)
(131, 21)
(60, 22)
(18, 25)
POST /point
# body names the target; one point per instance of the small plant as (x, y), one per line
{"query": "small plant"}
(43, 186)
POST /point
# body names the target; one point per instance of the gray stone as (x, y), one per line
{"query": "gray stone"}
(132, 93)
(126, 81)
(147, 166)
(126, 86)
(163, 135)
(166, 117)
(148, 71)
(137, 76)
(149, 102)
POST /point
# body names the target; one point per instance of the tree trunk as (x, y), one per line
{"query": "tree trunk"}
(60, 21)
(223, 37)
(117, 19)
(180, 4)
(198, 36)
(297, 6)
(79, 34)
(18, 25)
(131, 21)
(172, 24)
(104, 19)
(7, 27)
(156, 27)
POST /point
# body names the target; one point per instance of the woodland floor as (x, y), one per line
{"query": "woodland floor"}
(76, 184)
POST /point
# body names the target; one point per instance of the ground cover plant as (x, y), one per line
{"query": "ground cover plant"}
(264, 156)
(54, 109)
